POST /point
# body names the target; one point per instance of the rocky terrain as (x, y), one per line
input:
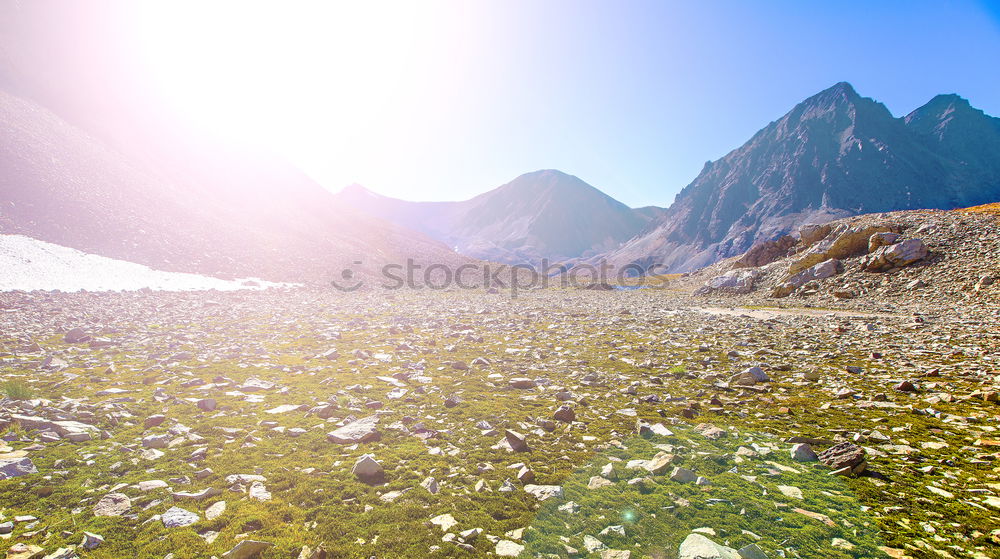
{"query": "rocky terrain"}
(876, 261)
(558, 423)
(836, 154)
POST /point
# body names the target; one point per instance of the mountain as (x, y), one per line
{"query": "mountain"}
(836, 154)
(206, 208)
(545, 214)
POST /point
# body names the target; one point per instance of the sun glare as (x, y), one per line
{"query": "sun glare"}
(292, 76)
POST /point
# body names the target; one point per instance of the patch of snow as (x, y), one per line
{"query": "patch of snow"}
(29, 264)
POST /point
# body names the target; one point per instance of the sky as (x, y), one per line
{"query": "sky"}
(440, 100)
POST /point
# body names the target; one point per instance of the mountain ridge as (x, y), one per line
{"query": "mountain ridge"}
(544, 214)
(833, 155)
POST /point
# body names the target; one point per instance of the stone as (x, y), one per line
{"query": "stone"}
(16, 467)
(733, 282)
(898, 255)
(112, 504)
(431, 485)
(522, 383)
(368, 470)
(790, 491)
(750, 377)
(215, 510)
(24, 551)
(843, 455)
(683, 475)
(153, 421)
(76, 336)
(762, 254)
(697, 546)
(507, 548)
(659, 463)
(803, 452)
(882, 239)
(359, 431)
(819, 271)
(207, 404)
(543, 492)
(597, 482)
(811, 233)
(91, 541)
(247, 549)
(444, 521)
(564, 413)
(517, 441)
(751, 551)
(845, 241)
(176, 517)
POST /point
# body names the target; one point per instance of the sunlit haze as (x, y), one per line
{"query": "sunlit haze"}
(436, 100)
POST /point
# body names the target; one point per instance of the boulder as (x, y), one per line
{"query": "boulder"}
(697, 546)
(843, 242)
(811, 233)
(360, 431)
(521, 383)
(734, 281)
(176, 517)
(895, 256)
(517, 441)
(766, 252)
(368, 470)
(247, 549)
(803, 452)
(76, 336)
(564, 413)
(750, 377)
(16, 467)
(883, 239)
(543, 492)
(819, 271)
(112, 504)
(844, 455)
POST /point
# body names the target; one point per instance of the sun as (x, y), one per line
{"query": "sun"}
(302, 73)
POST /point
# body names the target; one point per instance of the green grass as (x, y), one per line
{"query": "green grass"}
(17, 390)
(316, 499)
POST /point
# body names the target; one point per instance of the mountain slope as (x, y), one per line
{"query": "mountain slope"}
(835, 154)
(212, 211)
(543, 214)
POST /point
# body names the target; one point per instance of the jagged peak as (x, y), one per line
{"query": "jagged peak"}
(840, 92)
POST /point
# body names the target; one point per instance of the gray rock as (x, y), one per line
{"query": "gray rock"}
(368, 470)
(543, 492)
(360, 431)
(247, 549)
(112, 504)
(91, 541)
(895, 256)
(803, 452)
(16, 467)
(697, 546)
(176, 517)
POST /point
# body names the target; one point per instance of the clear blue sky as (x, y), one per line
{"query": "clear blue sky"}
(631, 96)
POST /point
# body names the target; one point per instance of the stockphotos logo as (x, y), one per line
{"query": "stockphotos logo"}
(491, 276)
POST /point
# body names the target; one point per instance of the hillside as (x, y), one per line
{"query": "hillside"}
(189, 208)
(845, 264)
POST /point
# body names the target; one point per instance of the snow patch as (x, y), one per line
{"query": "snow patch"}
(29, 264)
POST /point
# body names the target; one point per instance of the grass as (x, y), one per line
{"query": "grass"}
(316, 499)
(17, 390)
